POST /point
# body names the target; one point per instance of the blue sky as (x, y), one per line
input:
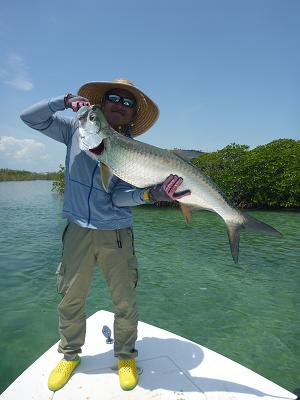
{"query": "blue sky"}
(221, 71)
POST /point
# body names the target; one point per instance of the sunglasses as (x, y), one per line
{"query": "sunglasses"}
(115, 98)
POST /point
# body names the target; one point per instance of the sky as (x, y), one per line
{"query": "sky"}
(221, 71)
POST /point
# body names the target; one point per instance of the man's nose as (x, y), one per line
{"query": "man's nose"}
(120, 104)
(118, 107)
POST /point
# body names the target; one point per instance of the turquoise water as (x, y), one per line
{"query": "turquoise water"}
(188, 283)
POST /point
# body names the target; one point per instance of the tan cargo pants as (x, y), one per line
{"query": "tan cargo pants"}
(114, 251)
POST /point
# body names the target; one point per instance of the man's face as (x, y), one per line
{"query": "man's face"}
(117, 113)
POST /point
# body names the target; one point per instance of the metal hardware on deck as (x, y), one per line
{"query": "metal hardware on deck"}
(107, 333)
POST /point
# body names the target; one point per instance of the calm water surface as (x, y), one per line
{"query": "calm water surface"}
(188, 283)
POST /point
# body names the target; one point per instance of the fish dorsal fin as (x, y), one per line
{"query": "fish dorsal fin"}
(187, 155)
(106, 176)
(186, 211)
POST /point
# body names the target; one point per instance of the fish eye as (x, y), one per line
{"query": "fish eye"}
(92, 117)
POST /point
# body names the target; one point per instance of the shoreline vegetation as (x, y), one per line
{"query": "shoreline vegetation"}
(266, 177)
(22, 175)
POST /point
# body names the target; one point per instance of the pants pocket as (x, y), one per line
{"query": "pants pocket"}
(64, 232)
(131, 239)
(60, 274)
(134, 271)
(136, 279)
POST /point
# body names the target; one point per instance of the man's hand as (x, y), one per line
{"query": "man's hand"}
(75, 102)
(166, 190)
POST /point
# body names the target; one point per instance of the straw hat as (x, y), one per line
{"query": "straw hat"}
(147, 111)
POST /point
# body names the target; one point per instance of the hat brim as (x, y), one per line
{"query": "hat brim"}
(147, 111)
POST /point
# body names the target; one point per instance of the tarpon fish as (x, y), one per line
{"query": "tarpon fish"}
(143, 165)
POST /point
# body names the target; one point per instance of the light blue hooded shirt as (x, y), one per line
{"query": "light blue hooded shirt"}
(85, 201)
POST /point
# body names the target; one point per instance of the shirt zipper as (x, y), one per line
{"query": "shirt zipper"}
(90, 192)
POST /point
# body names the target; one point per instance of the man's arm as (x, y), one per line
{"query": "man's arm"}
(125, 195)
(42, 117)
(166, 191)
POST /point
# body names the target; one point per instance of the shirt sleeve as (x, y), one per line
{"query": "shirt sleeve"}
(125, 195)
(42, 117)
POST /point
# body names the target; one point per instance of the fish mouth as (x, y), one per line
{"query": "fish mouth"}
(98, 149)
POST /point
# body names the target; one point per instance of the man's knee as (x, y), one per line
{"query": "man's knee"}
(71, 309)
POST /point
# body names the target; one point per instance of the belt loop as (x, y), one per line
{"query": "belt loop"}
(119, 238)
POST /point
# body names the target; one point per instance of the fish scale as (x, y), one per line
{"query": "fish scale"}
(143, 165)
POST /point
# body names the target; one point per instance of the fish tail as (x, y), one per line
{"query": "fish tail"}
(233, 231)
(256, 225)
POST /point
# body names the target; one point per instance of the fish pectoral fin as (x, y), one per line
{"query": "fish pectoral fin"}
(186, 211)
(106, 176)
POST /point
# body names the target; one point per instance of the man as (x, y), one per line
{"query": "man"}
(99, 224)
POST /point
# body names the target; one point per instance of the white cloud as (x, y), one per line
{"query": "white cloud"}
(21, 149)
(14, 73)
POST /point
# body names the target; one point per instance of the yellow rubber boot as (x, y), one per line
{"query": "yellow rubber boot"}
(128, 374)
(62, 373)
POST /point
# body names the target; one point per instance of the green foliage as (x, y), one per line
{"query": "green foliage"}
(16, 175)
(265, 177)
(225, 167)
(59, 182)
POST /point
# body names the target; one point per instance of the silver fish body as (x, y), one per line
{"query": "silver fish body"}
(143, 165)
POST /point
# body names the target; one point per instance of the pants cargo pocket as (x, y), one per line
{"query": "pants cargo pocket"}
(134, 272)
(60, 274)
(136, 279)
